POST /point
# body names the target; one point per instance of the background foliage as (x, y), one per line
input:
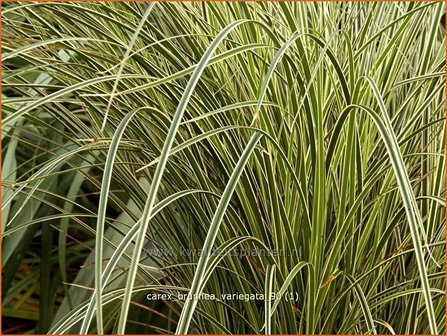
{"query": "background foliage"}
(134, 131)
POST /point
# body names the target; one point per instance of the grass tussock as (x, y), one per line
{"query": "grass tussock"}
(304, 141)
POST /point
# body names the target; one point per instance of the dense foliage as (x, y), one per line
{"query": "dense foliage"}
(304, 140)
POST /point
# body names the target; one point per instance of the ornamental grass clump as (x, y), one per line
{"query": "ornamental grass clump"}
(223, 168)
